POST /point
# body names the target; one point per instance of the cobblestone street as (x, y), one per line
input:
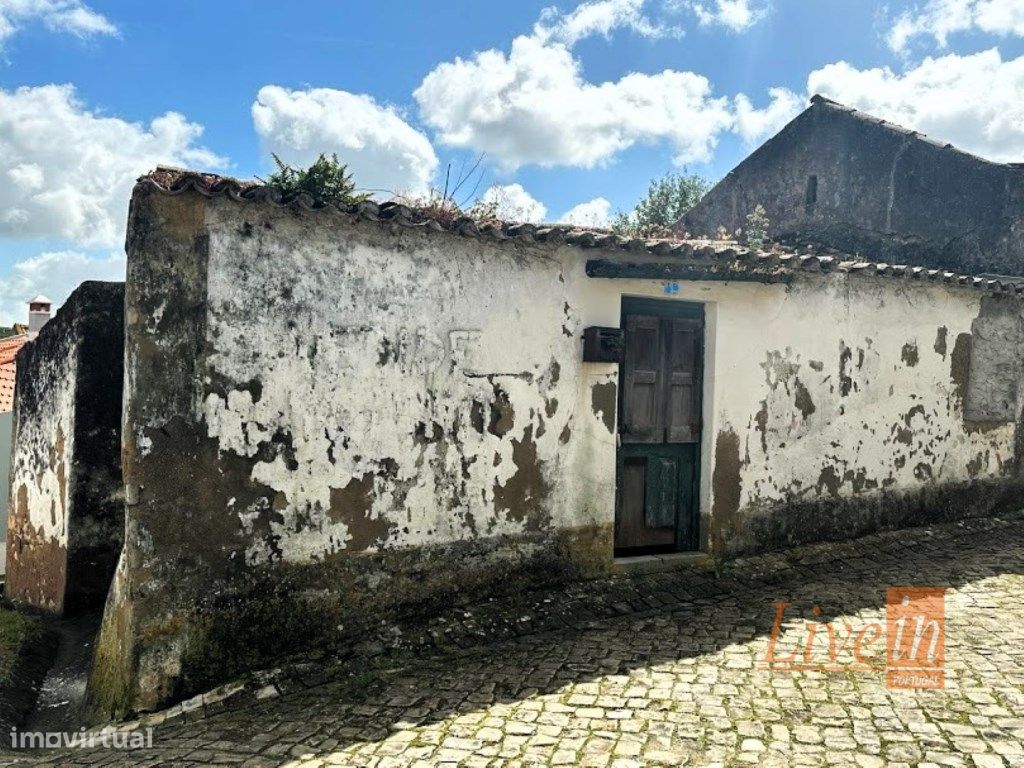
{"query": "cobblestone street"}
(665, 670)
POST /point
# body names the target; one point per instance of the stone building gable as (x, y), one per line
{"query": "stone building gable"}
(839, 178)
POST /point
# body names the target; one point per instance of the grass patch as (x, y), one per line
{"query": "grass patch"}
(18, 631)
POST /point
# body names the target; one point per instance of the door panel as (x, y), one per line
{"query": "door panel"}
(632, 531)
(660, 424)
(658, 507)
(684, 380)
(642, 415)
(663, 486)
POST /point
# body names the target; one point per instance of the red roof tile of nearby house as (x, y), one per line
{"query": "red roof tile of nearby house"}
(8, 350)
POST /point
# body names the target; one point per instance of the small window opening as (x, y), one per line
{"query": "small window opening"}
(811, 199)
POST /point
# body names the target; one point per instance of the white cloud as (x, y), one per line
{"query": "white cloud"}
(736, 15)
(599, 17)
(513, 203)
(55, 274)
(972, 101)
(593, 213)
(939, 19)
(755, 125)
(533, 106)
(68, 16)
(67, 172)
(381, 149)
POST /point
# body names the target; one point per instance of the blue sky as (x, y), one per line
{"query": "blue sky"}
(580, 104)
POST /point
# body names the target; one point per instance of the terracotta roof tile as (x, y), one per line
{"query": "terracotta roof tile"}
(725, 259)
(7, 371)
(9, 347)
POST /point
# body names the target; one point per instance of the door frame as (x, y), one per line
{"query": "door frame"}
(630, 305)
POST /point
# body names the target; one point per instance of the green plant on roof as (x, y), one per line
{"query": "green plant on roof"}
(327, 180)
(757, 227)
(667, 199)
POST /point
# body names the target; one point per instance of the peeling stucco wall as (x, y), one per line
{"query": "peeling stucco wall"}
(862, 402)
(382, 418)
(65, 519)
(836, 404)
(43, 444)
(328, 421)
(428, 401)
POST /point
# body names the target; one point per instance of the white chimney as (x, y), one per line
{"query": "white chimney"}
(38, 314)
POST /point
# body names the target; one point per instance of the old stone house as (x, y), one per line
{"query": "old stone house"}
(332, 414)
(846, 180)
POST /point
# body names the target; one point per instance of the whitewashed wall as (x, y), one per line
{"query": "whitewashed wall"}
(382, 355)
(40, 476)
(384, 360)
(778, 361)
(328, 420)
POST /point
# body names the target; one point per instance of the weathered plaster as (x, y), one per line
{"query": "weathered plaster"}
(65, 518)
(371, 383)
(383, 435)
(327, 422)
(837, 387)
(42, 452)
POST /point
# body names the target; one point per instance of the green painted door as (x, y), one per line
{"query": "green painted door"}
(659, 426)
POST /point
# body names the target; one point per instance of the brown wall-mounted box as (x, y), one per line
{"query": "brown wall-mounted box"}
(603, 345)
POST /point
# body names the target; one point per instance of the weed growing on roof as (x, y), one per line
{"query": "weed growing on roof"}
(757, 227)
(443, 204)
(327, 180)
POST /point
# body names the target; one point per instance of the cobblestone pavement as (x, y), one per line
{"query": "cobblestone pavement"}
(666, 669)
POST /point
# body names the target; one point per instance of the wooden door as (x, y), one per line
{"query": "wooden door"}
(659, 432)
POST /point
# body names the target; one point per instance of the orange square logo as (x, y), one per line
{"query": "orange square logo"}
(915, 637)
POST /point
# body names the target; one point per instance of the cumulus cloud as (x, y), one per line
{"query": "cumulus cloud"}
(736, 15)
(67, 172)
(533, 105)
(972, 101)
(939, 19)
(381, 149)
(755, 125)
(67, 16)
(54, 274)
(513, 203)
(593, 213)
(600, 17)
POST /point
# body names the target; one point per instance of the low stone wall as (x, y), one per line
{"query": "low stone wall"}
(66, 515)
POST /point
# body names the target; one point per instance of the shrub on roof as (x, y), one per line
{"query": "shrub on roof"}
(667, 199)
(327, 180)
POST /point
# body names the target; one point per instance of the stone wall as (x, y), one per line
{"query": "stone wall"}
(849, 181)
(66, 511)
(330, 421)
